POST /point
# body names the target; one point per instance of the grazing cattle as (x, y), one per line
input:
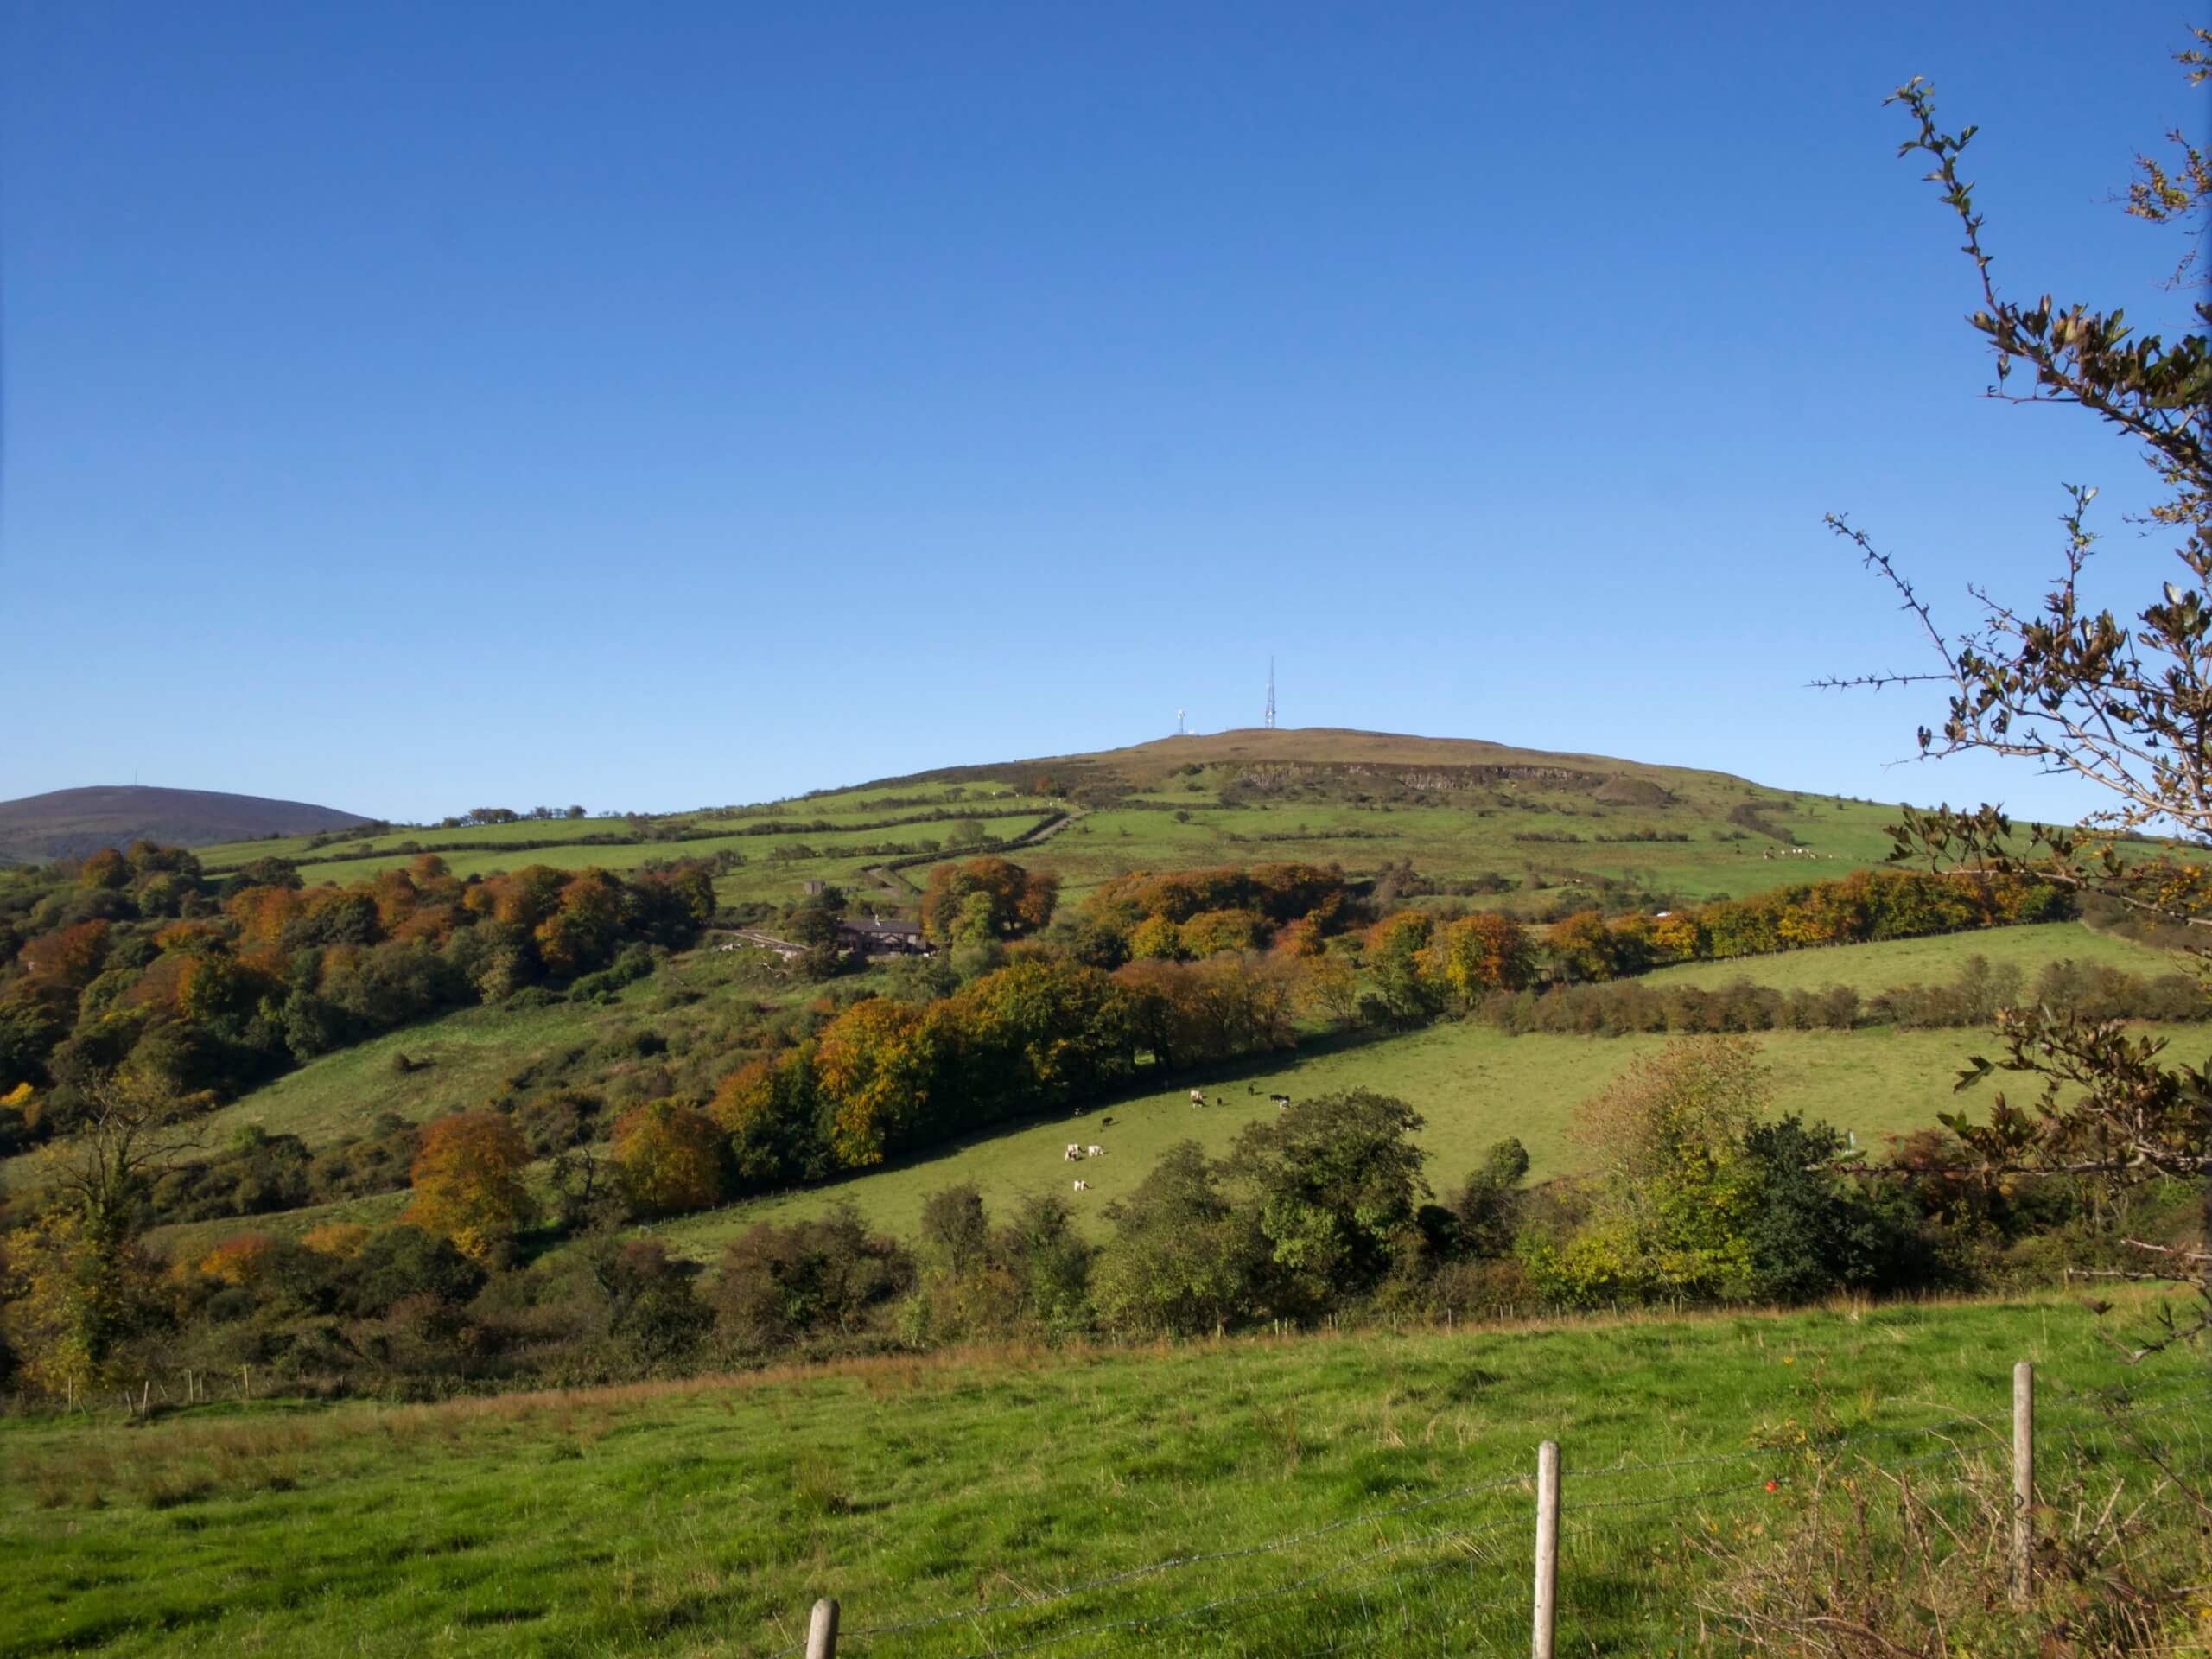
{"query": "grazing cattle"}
(1094, 1152)
(1073, 1152)
(1083, 1187)
(1197, 1099)
(1105, 1122)
(1281, 1101)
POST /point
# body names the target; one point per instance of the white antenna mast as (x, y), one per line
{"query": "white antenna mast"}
(1179, 724)
(1269, 722)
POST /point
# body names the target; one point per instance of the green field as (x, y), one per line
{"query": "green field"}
(1868, 969)
(704, 1517)
(1453, 809)
(1473, 1084)
(1451, 841)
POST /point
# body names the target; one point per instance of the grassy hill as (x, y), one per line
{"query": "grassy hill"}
(70, 823)
(1528, 822)
(1454, 808)
(1245, 1498)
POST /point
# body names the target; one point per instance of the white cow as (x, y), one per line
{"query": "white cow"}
(1094, 1152)
(1197, 1099)
(1083, 1187)
(1073, 1152)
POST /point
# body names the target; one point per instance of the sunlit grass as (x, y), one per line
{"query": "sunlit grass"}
(705, 1517)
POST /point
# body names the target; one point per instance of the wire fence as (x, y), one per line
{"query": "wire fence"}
(1448, 1572)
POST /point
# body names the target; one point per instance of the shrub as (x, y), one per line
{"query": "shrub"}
(828, 1277)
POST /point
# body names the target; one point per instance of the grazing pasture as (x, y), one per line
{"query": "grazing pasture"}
(1474, 1085)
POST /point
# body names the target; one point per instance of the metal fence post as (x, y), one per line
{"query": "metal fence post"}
(2023, 1480)
(821, 1631)
(1546, 1616)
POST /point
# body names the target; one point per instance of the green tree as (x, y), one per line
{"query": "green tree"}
(1182, 1260)
(1487, 1209)
(1811, 1231)
(1675, 1192)
(1335, 1182)
(1049, 1264)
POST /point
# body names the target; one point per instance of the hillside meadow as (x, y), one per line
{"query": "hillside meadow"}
(1456, 810)
(1869, 968)
(1367, 1490)
(1473, 1083)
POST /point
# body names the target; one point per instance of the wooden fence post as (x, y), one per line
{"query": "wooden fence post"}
(821, 1631)
(1546, 1619)
(2023, 1480)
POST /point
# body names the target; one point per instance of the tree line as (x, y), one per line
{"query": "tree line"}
(138, 963)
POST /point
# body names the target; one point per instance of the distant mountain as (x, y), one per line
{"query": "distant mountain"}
(70, 823)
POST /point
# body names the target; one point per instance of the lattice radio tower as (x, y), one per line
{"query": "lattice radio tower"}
(1269, 721)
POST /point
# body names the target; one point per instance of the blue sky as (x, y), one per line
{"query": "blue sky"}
(412, 407)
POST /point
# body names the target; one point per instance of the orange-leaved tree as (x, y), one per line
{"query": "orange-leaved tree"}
(469, 1187)
(1484, 952)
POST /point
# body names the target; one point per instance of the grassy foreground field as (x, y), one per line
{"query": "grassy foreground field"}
(1388, 1472)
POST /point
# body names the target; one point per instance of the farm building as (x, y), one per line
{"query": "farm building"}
(874, 938)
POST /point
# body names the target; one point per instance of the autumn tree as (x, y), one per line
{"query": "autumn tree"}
(769, 1110)
(129, 1130)
(1484, 952)
(80, 1282)
(875, 1064)
(1582, 948)
(106, 869)
(69, 1301)
(2067, 687)
(670, 1159)
(578, 934)
(1328, 985)
(1394, 953)
(468, 1186)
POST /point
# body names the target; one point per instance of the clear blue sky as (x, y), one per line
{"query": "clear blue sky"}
(409, 407)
